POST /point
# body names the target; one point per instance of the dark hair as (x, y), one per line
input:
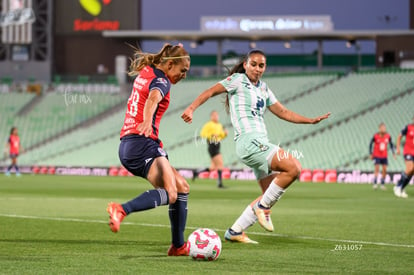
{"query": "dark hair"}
(239, 68)
(381, 124)
(12, 130)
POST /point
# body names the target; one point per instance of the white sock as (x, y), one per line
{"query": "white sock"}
(246, 219)
(273, 193)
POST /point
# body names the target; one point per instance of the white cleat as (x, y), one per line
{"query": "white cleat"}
(397, 191)
(383, 187)
(403, 194)
(374, 186)
(238, 237)
(263, 217)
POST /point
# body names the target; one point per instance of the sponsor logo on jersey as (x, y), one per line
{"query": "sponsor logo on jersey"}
(162, 81)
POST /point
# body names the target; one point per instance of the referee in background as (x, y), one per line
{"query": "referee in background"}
(214, 132)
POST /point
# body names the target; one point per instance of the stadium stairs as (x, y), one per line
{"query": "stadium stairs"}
(377, 94)
(26, 109)
(107, 113)
(303, 85)
(390, 86)
(354, 162)
(337, 122)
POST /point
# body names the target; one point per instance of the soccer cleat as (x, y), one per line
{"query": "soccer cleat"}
(403, 194)
(7, 174)
(116, 215)
(184, 250)
(374, 186)
(263, 217)
(18, 174)
(397, 191)
(238, 237)
(383, 187)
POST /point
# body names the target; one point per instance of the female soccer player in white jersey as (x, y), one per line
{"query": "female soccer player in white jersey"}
(247, 98)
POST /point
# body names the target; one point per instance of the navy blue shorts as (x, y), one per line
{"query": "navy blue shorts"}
(137, 153)
(409, 157)
(382, 161)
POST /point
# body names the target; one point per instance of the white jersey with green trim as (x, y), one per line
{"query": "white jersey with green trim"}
(248, 103)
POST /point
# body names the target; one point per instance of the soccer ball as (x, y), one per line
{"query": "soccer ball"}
(204, 244)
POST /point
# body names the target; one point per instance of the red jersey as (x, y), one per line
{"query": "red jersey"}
(380, 143)
(14, 142)
(147, 81)
(408, 132)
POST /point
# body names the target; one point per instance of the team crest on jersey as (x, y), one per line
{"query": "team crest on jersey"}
(162, 81)
(162, 152)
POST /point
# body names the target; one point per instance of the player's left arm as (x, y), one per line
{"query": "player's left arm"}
(283, 113)
(150, 106)
(370, 147)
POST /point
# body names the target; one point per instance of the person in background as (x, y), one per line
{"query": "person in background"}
(214, 132)
(379, 155)
(13, 146)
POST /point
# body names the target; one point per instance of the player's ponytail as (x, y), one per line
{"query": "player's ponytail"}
(238, 68)
(168, 52)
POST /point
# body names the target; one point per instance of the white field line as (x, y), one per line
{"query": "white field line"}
(338, 241)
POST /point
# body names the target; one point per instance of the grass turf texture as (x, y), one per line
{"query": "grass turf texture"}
(57, 224)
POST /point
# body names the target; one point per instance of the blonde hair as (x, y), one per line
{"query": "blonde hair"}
(168, 52)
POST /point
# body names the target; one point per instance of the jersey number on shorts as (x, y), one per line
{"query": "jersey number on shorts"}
(133, 106)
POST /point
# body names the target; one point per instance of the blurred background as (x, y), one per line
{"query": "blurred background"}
(63, 80)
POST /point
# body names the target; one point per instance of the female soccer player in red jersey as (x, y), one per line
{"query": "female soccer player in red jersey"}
(406, 176)
(380, 153)
(141, 151)
(13, 146)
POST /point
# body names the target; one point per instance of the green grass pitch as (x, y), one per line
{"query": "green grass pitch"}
(58, 225)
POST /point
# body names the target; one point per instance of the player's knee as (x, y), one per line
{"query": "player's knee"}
(172, 196)
(182, 185)
(295, 170)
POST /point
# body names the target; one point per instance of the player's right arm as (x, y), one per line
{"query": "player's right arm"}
(217, 89)
(7, 147)
(370, 147)
(145, 127)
